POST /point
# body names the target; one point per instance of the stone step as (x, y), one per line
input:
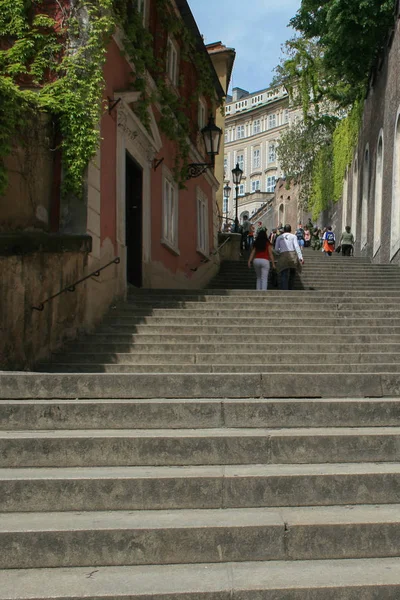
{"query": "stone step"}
(184, 447)
(351, 579)
(193, 414)
(213, 295)
(188, 336)
(209, 367)
(258, 303)
(121, 333)
(267, 351)
(217, 487)
(202, 385)
(268, 320)
(115, 538)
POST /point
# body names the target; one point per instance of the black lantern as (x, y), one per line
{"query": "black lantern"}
(237, 175)
(212, 140)
(227, 191)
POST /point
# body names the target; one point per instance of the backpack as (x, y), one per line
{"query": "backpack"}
(330, 238)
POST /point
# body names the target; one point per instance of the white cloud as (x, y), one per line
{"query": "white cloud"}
(256, 29)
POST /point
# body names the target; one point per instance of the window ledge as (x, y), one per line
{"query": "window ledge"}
(203, 253)
(173, 249)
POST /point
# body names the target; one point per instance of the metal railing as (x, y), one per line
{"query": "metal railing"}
(72, 287)
(207, 259)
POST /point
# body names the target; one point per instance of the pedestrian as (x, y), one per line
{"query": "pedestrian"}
(329, 241)
(290, 258)
(300, 235)
(245, 232)
(307, 237)
(272, 237)
(261, 256)
(347, 241)
(250, 237)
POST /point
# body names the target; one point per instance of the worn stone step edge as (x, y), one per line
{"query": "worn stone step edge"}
(351, 579)
(188, 413)
(198, 536)
(304, 385)
(164, 488)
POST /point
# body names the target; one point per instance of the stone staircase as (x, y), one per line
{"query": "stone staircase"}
(212, 445)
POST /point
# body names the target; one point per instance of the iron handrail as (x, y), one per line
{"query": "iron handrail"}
(71, 288)
(221, 246)
(207, 259)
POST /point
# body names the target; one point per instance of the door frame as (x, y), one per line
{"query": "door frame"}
(133, 138)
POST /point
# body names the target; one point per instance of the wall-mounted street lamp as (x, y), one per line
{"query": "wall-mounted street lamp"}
(212, 140)
(227, 193)
(237, 175)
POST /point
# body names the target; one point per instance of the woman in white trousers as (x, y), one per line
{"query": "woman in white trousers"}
(262, 257)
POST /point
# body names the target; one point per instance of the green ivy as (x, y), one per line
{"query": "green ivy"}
(345, 138)
(63, 67)
(322, 181)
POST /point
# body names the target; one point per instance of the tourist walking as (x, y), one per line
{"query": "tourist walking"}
(290, 258)
(261, 256)
(307, 237)
(328, 240)
(347, 241)
(300, 236)
(246, 226)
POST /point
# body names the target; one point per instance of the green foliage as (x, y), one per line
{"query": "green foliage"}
(322, 181)
(345, 138)
(61, 67)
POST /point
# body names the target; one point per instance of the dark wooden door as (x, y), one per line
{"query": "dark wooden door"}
(134, 218)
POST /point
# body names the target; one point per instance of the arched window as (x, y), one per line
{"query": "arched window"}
(364, 203)
(354, 201)
(378, 194)
(395, 225)
(345, 199)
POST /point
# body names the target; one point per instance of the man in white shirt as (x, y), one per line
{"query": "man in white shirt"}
(289, 258)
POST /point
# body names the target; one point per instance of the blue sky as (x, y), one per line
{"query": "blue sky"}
(255, 28)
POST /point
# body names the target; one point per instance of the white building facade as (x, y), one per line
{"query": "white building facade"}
(253, 125)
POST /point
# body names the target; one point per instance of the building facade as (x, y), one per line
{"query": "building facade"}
(134, 211)
(254, 124)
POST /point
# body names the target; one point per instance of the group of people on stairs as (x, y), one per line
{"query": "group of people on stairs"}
(282, 251)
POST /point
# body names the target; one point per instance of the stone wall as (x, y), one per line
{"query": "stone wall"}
(34, 267)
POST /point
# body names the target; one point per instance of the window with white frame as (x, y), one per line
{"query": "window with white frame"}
(225, 167)
(240, 161)
(242, 189)
(271, 121)
(271, 181)
(202, 222)
(256, 126)
(202, 114)
(226, 204)
(172, 62)
(226, 137)
(240, 132)
(170, 213)
(286, 116)
(256, 158)
(255, 185)
(272, 152)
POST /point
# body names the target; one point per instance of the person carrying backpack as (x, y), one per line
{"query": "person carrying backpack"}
(329, 241)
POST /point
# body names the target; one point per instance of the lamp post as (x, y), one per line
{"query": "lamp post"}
(212, 140)
(227, 193)
(237, 175)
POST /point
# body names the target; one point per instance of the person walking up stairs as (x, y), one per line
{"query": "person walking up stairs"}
(167, 456)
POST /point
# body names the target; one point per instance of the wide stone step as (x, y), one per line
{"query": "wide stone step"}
(267, 319)
(197, 447)
(168, 335)
(210, 367)
(275, 352)
(258, 303)
(222, 294)
(351, 579)
(218, 487)
(194, 414)
(122, 333)
(253, 385)
(37, 540)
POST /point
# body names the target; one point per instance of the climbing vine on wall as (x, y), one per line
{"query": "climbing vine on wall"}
(54, 63)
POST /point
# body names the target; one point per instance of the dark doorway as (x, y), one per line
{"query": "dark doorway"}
(134, 233)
